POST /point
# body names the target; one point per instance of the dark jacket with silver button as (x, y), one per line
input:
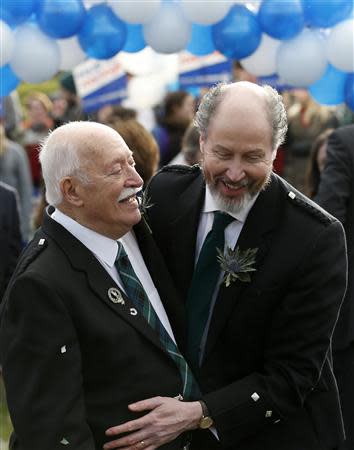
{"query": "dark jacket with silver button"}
(73, 356)
(266, 375)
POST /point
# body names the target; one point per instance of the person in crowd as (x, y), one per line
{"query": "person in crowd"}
(68, 90)
(336, 195)
(307, 120)
(59, 107)
(316, 163)
(190, 152)
(110, 113)
(173, 117)
(86, 323)
(12, 114)
(142, 144)
(15, 171)
(262, 273)
(35, 128)
(10, 235)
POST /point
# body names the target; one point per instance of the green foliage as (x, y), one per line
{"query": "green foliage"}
(5, 422)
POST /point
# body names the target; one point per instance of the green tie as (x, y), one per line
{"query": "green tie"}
(137, 295)
(205, 278)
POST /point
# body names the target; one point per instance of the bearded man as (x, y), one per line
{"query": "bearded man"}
(261, 271)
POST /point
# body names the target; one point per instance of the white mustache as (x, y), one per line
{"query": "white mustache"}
(128, 192)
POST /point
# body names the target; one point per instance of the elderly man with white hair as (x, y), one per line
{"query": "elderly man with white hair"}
(86, 324)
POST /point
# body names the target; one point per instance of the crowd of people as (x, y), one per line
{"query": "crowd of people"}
(235, 291)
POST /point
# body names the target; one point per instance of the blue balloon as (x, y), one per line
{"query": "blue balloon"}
(326, 13)
(103, 34)
(329, 90)
(349, 91)
(135, 39)
(60, 19)
(14, 12)
(201, 42)
(9, 80)
(238, 34)
(281, 19)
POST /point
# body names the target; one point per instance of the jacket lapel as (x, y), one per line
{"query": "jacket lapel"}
(256, 233)
(98, 280)
(162, 281)
(184, 229)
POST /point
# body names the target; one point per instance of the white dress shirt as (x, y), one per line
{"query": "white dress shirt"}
(105, 250)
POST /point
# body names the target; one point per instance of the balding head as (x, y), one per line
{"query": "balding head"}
(68, 150)
(248, 98)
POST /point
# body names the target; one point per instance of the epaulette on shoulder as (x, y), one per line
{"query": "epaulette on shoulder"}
(309, 207)
(180, 168)
(30, 254)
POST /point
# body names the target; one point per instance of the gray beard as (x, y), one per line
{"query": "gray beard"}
(230, 205)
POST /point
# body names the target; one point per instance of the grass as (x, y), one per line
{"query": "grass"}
(5, 422)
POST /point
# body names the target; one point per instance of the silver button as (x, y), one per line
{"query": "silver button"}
(292, 195)
(133, 311)
(268, 413)
(63, 349)
(64, 441)
(255, 396)
(41, 241)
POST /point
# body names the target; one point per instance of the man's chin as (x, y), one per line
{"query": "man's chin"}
(230, 204)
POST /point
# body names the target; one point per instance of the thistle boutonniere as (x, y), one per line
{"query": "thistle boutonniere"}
(144, 205)
(237, 264)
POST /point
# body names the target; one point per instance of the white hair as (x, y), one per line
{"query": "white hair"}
(59, 157)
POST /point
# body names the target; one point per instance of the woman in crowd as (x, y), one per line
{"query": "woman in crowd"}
(173, 117)
(316, 163)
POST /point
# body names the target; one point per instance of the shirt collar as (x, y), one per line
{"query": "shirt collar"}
(211, 206)
(104, 248)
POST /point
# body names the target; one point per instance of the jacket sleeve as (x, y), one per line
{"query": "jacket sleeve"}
(41, 362)
(296, 346)
(13, 235)
(335, 187)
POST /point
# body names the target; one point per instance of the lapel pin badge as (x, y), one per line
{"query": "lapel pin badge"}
(115, 296)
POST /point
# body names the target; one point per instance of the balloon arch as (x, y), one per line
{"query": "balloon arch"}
(306, 43)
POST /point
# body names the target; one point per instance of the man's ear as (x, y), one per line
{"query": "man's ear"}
(69, 187)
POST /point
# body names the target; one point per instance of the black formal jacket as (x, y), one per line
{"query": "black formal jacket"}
(267, 376)
(336, 195)
(72, 359)
(10, 235)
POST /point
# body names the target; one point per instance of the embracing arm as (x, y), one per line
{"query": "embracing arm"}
(41, 361)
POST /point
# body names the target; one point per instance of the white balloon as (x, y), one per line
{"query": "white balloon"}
(71, 54)
(35, 57)
(6, 43)
(263, 62)
(206, 13)
(302, 61)
(138, 11)
(91, 3)
(340, 46)
(145, 62)
(168, 31)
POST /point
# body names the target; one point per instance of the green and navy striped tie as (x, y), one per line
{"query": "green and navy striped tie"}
(136, 293)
